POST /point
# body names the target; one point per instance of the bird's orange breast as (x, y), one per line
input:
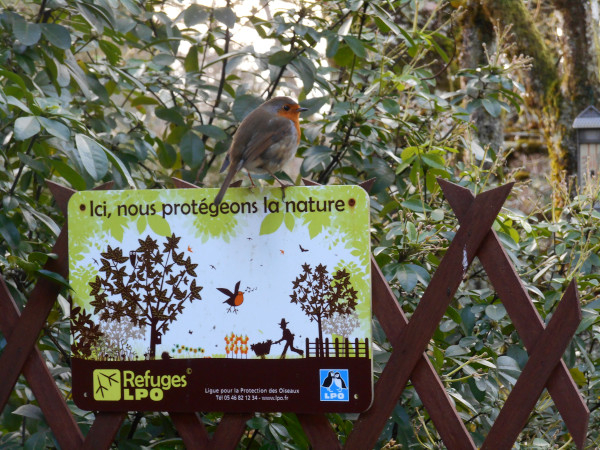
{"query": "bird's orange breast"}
(239, 299)
(294, 116)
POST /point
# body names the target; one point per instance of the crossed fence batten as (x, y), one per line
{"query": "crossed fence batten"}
(409, 340)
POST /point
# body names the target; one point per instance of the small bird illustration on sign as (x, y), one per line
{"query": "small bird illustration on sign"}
(338, 381)
(328, 381)
(235, 298)
(265, 140)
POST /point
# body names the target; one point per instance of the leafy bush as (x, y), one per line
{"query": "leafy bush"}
(132, 93)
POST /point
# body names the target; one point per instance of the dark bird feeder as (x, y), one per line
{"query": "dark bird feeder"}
(587, 125)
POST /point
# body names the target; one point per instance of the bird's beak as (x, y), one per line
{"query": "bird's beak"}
(300, 109)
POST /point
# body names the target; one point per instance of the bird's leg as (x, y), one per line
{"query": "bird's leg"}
(283, 185)
(251, 180)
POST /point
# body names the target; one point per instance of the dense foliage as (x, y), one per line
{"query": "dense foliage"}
(136, 92)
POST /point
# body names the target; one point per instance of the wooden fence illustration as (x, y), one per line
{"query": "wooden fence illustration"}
(475, 237)
(337, 349)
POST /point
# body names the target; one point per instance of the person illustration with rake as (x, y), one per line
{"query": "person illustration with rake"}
(288, 337)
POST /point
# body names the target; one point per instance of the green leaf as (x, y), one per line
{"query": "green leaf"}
(212, 131)
(316, 156)
(257, 423)
(356, 45)
(15, 78)
(306, 71)
(170, 115)
(53, 276)
(271, 223)
(578, 376)
(344, 56)
(92, 156)
(455, 350)
(313, 105)
(190, 63)
(25, 127)
(167, 155)
(434, 160)
(26, 32)
(495, 312)
(57, 35)
(144, 100)
(112, 51)
(69, 174)
(63, 77)
(492, 106)
(333, 43)
(195, 14)
(437, 215)
(192, 149)
(280, 58)
(31, 411)
(9, 232)
(244, 105)
(55, 128)
(408, 152)
(78, 74)
(226, 16)
(407, 277)
(415, 204)
(116, 162)
(163, 59)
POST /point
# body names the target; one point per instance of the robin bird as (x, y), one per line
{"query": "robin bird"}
(236, 298)
(265, 140)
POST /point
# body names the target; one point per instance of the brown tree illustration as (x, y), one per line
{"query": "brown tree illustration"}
(149, 287)
(321, 295)
(85, 332)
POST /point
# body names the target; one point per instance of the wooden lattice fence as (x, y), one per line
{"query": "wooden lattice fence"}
(475, 237)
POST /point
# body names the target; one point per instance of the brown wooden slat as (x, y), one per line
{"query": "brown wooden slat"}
(427, 383)
(25, 333)
(523, 314)
(230, 430)
(103, 431)
(424, 321)
(319, 432)
(545, 355)
(191, 429)
(61, 195)
(182, 184)
(41, 300)
(50, 398)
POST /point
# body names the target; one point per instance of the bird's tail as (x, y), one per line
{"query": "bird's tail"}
(230, 174)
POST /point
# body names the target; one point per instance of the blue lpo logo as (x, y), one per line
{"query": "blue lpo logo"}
(334, 385)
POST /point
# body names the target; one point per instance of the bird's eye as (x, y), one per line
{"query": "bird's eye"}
(286, 107)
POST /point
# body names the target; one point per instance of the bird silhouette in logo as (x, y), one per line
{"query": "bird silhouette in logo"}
(338, 381)
(327, 382)
(235, 298)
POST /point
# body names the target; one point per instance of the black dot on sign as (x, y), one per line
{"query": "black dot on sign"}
(82, 207)
(351, 202)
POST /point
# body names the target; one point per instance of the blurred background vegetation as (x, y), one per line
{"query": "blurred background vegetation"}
(478, 92)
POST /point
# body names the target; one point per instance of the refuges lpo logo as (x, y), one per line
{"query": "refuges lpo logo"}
(114, 385)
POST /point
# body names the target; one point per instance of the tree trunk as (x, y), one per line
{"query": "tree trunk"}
(154, 337)
(477, 31)
(555, 96)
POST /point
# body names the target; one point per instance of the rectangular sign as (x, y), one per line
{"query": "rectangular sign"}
(261, 303)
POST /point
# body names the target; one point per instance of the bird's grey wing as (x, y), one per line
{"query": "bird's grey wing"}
(274, 130)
